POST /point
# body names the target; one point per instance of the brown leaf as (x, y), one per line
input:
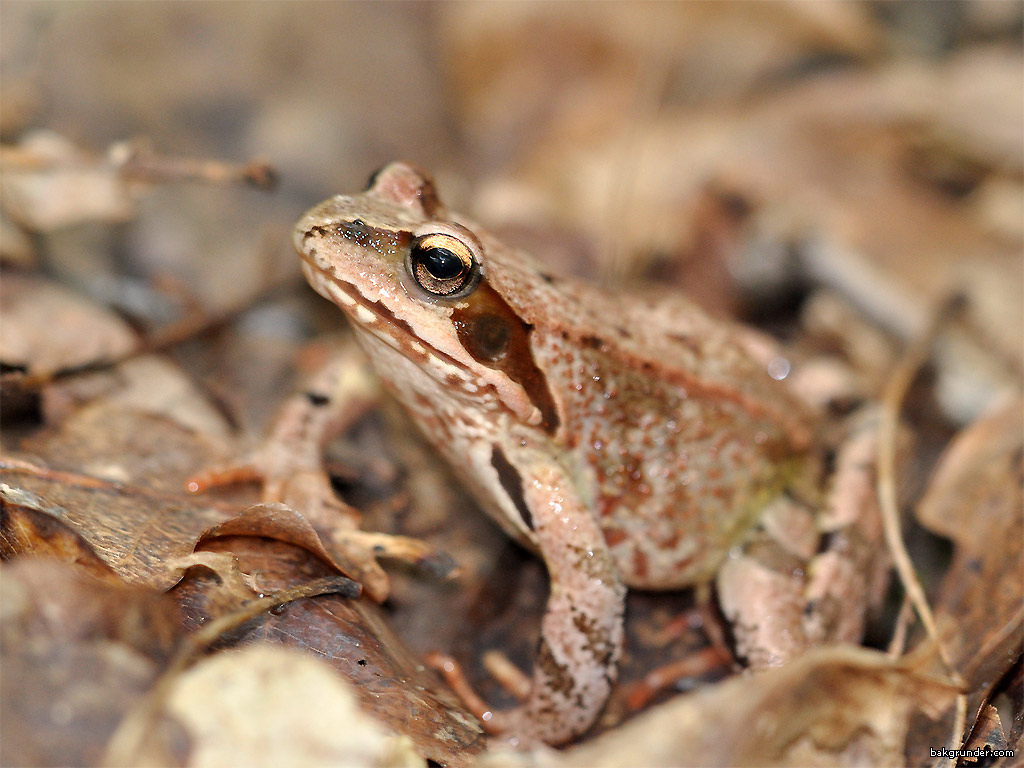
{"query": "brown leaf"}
(350, 635)
(976, 498)
(134, 532)
(237, 706)
(76, 656)
(832, 706)
(988, 731)
(279, 522)
(47, 327)
(123, 441)
(140, 442)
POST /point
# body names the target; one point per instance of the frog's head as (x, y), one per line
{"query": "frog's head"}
(408, 275)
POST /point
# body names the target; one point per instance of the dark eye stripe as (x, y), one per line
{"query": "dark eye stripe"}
(491, 331)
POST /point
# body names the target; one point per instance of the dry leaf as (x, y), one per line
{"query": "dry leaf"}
(133, 532)
(47, 328)
(352, 636)
(77, 654)
(270, 706)
(836, 706)
(49, 183)
(976, 498)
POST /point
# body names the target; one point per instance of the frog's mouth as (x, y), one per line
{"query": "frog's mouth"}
(372, 316)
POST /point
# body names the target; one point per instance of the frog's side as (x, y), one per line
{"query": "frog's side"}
(624, 450)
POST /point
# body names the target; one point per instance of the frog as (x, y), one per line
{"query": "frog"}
(628, 445)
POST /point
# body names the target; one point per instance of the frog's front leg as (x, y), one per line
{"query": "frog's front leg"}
(289, 461)
(289, 465)
(581, 632)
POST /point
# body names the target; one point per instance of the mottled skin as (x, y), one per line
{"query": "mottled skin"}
(625, 449)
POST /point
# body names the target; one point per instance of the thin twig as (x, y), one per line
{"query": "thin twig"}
(124, 744)
(892, 399)
(160, 339)
(898, 643)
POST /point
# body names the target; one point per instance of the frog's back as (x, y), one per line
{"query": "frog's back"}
(680, 434)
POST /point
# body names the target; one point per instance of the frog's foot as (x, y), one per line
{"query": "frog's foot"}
(289, 462)
(509, 677)
(692, 665)
(308, 491)
(808, 579)
(301, 485)
(449, 669)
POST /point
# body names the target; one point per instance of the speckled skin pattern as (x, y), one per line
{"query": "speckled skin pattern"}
(626, 444)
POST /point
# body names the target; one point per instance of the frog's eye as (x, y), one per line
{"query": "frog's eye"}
(443, 265)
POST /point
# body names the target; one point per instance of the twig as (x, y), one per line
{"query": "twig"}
(136, 161)
(124, 744)
(163, 338)
(892, 399)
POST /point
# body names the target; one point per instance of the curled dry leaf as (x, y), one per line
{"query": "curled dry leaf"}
(976, 498)
(237, 706)
(832, 706)
(49, 183)
(352, 636)
(48, 328)
(76, 655)
(282, 523)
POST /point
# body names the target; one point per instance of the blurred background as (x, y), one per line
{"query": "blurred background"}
(830, 170)
(744, 154)
(704, 144)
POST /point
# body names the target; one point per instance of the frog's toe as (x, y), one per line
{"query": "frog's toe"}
(493, 722)
(508, 675)
(243, 470)
(361, 561)
(413, 552)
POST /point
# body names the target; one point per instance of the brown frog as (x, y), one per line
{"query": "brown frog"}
(626, 444)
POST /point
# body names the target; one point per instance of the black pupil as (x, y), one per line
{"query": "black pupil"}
(441, 263)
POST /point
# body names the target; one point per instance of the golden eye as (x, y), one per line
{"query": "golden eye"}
(443, 265)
